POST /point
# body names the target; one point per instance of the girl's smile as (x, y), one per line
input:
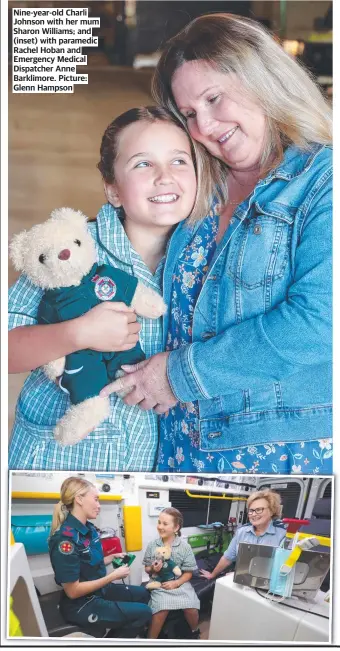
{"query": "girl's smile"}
(166, 527)
(155, 179)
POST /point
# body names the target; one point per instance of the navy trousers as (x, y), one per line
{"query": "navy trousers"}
(120, 607)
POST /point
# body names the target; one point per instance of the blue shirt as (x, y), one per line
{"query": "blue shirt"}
(76, 552)
(272, 536)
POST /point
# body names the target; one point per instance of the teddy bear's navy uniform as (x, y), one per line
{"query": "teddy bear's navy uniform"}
(166, 573)
(76, 555)
(88, 371)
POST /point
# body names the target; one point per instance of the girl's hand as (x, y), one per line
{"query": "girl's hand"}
(170, 585)
(120, 573)
(108, 327)
(151, 389)
(119, 555)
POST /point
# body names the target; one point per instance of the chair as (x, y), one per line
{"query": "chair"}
(320, 525)
(55, 623)
(320, 520)
(205, 588)
(176, 626)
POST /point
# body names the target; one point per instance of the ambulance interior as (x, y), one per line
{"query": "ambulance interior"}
(236, 606)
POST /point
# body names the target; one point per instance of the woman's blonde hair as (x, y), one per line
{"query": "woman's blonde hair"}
(272, 498)
(295, 109)
(70, 489)
(208, 171)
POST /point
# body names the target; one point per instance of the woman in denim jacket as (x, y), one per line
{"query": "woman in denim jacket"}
(245, 382)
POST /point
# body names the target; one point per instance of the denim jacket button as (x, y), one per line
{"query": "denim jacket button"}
(214, 435)
(257, 229)
(208, 335)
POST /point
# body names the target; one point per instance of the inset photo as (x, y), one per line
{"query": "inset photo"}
(170, 557)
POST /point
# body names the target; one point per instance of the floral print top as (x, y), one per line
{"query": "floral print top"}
(179, 430)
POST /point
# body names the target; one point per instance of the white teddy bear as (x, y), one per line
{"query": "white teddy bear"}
(59, 256)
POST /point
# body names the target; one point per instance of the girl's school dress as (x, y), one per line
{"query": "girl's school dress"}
(182, 597)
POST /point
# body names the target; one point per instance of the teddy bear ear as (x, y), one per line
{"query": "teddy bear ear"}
(17, 249)
(75, 216)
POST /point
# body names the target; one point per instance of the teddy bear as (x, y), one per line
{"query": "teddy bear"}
(59, 256)
(163, 568)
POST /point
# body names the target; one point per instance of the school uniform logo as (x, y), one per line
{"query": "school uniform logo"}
(66, 547)
(105, 288)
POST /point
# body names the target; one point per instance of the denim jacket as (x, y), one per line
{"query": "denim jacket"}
(260, 361)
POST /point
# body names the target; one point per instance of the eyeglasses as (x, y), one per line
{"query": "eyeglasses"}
(257, 511)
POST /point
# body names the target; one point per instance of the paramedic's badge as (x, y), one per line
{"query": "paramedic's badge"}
(66, 547)
(105, 288)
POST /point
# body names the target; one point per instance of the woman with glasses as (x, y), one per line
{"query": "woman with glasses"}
(264, 528)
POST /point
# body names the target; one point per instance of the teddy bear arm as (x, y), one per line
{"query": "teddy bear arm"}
(146, 302)
(54, 369)
(152, 585)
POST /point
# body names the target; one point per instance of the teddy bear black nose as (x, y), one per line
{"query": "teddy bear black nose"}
(64, 254)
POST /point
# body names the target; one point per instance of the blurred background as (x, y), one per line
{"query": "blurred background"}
(54, 139)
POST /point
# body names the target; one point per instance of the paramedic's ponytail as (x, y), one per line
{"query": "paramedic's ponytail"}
(60, 513)
(70, 488)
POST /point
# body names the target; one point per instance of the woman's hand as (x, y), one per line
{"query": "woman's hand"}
(170, 585)
(149, 383)
(108, 327)
(206, 575)
(120, 573)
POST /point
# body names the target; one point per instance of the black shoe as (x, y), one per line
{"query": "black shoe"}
(194, 635)
(122, 633)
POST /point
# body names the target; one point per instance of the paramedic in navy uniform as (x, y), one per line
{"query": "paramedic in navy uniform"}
(89, 595)
(264, 528)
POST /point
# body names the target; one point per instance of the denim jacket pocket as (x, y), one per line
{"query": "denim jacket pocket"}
(260, 248)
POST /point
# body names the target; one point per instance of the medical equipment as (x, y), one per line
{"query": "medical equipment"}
(254, 565)
(242, 614)
(126, 560)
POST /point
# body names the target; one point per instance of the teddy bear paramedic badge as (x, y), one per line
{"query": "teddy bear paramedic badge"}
(105, 288)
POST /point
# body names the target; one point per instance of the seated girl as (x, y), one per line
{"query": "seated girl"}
(177, 594)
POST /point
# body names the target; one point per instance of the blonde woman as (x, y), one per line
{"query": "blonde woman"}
(264, 528)
(245, 384)
(89, 597)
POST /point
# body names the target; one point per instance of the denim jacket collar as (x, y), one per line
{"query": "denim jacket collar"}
(295, 161)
